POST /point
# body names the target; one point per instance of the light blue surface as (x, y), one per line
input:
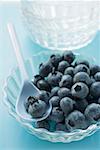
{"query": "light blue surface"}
(12, 135)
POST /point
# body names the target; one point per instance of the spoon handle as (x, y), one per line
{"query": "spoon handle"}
(17, 50)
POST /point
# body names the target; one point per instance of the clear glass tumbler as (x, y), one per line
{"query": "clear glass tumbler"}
(61, 25)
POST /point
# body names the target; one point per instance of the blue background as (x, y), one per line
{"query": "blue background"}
(12, 135)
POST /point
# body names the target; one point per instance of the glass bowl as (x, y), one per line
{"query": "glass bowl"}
(12, 89)
(59, 24)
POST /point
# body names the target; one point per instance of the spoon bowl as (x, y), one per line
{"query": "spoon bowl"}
(28, 89)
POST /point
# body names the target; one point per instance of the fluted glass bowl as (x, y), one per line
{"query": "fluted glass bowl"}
(12, 89)
(59, 24)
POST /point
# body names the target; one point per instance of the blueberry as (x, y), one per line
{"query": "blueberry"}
(45, 69)
(36, 79)
(69, 56)
(56, 115)
(95, 89)
(55, 100)
(81, 68)
(92, 112)
(43, 85)
(94, 69)
(97, 76)
(75, 120)
(67, 105)
(31, 100)
(82, 77)
(84, 62)
(69, 70)
(62, 66)
(44, 96)
(28, 102)
(55, 59)
(37, 109)
(64, 92)
(81, 105)
(80, 90)
(54, 91)
(61, 127)
(42, 124)
(66, 81)
(54, 78)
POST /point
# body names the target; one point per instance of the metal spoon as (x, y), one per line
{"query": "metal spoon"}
(28, 88)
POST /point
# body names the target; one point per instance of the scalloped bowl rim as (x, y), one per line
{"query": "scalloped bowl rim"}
(95, 127)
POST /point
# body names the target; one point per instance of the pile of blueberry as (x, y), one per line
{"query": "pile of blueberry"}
(73, 87)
